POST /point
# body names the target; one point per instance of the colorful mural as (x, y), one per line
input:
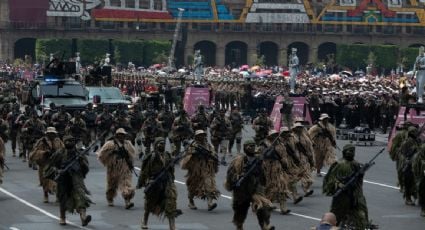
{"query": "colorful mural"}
(334, 12)
(372, 12)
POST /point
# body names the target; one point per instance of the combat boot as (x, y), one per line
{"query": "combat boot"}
(267, 227)
(223, 161)
(172, 223)
(423, 212)
(211, 204)
(283, 209)
(46, 197)
(128, 204)
(239, 227)
(145, 220)
(111, 203)
(14, 153)
(62, 219)
(191, 204)
(409, 202)
(85, 219)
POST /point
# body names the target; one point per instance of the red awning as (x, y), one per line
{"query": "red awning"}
(129, 14)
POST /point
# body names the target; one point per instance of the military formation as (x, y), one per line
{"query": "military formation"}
(408, 151)
(263, 173)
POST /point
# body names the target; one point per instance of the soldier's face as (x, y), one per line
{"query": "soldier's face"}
(249, 149)
(160, 146)
(51, 136)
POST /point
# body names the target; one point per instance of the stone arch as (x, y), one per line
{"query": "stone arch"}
(270, 51)
(236, 53)
(302, 51)
(416, 45)
(24, 46)
(208, 51)
(324, 50)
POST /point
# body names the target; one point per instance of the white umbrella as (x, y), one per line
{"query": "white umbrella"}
(182, 71)
(235, 70)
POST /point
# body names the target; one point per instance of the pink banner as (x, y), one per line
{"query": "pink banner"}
(412, 116)
(194, 97)
(297, 111)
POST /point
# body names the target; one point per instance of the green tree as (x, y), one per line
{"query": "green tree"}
(58, 47)
(386, 56)
(128, 50)
(409, 55)
(154, 48)
(160, 58)
(92, 49)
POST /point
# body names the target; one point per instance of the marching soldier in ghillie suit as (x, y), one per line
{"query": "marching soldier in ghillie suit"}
(181, 130)
(304, 146)
(15, 129)
(251, 191)
(286, 110)
(274, 170)
(162, 198)
(43, 149)
(32, 130)
(104, 122)
(117, 155)
(262, 125)
(47, 116)
(408, 149)
(399, 138)
(201, 163)
(350, 206)
(3, 139)
(136, 122)
(288, 141)
(20, 121)
(221, 129)
(165, 121)
(122, 121)
(323, 135)
(60, 120)
(419, 172)
(237, 122)
(150, 131)
(89, 116)
(72, 193)
(77, 128)
(200, 119)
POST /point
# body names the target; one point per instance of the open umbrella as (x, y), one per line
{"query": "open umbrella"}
(335, 77)
(348, 73)
(255, 68)
(244, 67)
(286, 73)
(235, 70)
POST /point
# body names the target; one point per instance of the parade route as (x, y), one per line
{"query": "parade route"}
(23, 207)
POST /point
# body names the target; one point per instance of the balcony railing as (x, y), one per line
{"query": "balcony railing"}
(93, 26)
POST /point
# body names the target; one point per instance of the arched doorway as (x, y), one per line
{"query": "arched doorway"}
(326, 51)
(302, 51)
(207, 49)
(236, 53)
(24, 46)
(416, 45)
(270, 52)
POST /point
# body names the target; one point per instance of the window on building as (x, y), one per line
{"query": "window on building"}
(116, 3)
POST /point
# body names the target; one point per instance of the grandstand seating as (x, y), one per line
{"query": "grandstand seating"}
(198, 10)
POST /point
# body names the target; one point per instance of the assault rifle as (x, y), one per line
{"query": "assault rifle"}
(204, 152)
(268, 153)
(121, 152)
(69, 164)
(356, 175)
(163, 172)
(327, 134)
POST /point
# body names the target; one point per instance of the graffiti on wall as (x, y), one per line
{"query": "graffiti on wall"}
(72, 8)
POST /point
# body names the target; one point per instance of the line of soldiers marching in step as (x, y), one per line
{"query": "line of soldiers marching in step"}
(264, 171)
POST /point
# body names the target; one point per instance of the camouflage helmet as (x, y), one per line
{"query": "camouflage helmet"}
(158, 140)
(249, 142)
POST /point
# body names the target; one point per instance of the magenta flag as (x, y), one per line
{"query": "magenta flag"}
(299, 110)
(194, 97)
(412, 116)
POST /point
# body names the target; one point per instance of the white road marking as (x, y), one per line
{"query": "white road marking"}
(229, 197)
(375, 183)
(38, 209)
(13, 228)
